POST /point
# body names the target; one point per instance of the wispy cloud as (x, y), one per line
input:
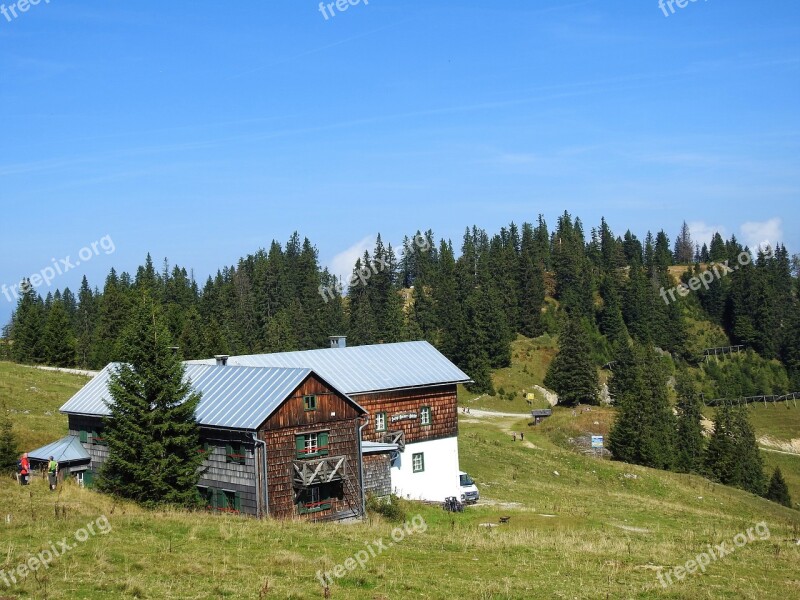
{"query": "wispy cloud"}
(342, 264)
(755, 233)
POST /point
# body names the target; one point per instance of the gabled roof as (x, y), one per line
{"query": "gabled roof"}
(65, 450)
(232, 397)
(362, 369)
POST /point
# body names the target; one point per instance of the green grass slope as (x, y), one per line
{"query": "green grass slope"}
(579, 528)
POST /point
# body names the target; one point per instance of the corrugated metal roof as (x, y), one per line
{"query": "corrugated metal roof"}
(233, 397)
(377, 448)
(65, 450)
(361, 369)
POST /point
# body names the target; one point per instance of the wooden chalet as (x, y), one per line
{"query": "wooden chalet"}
(280, 442)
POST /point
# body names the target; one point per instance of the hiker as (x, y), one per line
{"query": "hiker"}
(24, 468)
(514, 435)
(521, 436)
(52, 473)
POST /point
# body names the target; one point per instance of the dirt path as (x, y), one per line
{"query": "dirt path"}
(501, 420)
(60, 370)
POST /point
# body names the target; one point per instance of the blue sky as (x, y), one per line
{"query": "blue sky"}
(202, 130)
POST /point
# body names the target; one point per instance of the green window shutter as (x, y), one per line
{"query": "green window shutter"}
(322, 441)
(222, 500)
(88, 479)
(228, 452)
(300, 445)
(242, 454)
(84, 436)
(237, 500)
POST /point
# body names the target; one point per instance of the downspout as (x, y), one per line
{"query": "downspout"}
(263, 445)
(361, 467)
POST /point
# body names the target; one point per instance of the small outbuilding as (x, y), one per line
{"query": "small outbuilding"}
(540, 415)
(73, 459)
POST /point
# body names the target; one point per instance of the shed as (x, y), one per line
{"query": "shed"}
(540, 415)
(72, 457)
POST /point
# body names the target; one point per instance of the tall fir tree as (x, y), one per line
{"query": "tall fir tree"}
(572, 375)
(152, 433)
(27, 326)
(732, 456)
(644, 430)
(58, 338)
(690, 439)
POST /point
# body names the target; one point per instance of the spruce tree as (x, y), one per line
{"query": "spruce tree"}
(778, 491)
(27, 325)
(9, 451)
(572, 375)
(152, 433)
(690, 440)
(644, 430)
(732, 456)
(58, 339)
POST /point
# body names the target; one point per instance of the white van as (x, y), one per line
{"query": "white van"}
(469, 491)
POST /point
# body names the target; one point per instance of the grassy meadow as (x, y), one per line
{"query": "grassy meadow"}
(579, 527)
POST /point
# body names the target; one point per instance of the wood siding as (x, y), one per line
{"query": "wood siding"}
(442, 401)
(334, 415)
(377, 474)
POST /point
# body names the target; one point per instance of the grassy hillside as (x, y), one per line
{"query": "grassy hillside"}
(579, 528)
(33, 398)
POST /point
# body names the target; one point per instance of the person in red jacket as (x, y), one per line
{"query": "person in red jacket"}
(24, 470)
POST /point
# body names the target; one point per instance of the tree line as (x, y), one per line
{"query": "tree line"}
(469, 300)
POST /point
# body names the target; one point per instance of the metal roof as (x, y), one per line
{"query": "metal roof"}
(362, 369)
(65, 450)
(233, 397)
(377, 448)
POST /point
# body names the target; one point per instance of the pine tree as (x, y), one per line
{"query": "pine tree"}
(684, 247)
(644, 430)
(572, 375)
(778, 491)
(732, 456)
(690, 440)
(152, 433)
(27, 325)
(9, 452)
(58, 339)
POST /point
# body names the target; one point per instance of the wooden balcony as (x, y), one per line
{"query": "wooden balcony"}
(308, 473)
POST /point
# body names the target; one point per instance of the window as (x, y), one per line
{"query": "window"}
(319, 497)
(98, 440)
(208, 496)
(229, 501)
(205, 449)
(235, 454)
(418, 462)
(425, 416)
(310, 402)
(380, 421)
(312, 445)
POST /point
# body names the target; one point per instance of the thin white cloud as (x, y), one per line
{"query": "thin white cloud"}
(702, 233)
(756, 233)
(342, 264)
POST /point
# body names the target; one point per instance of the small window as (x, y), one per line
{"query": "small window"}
(208, 496)
(312, 445)
(310, 403)
(418, 462)
(235, 454)
(425, 417)
(380, 421)
(230, 501)
(98, 440)
(319, 497)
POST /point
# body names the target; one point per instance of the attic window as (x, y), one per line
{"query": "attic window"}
(310, 402)
(235, 454)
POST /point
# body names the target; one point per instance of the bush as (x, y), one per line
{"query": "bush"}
(389, 507)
